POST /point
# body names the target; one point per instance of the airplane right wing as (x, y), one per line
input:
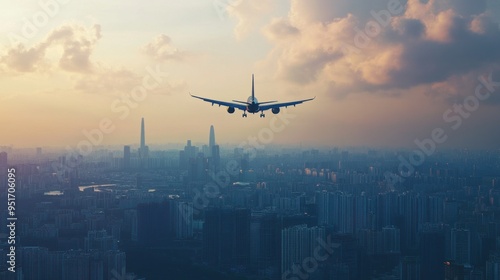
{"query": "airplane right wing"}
(285, 104)
(223, 103)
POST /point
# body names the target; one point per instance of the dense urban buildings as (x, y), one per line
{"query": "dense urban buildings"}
(216, 212)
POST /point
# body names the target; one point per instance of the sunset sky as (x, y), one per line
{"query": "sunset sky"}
(384, 72)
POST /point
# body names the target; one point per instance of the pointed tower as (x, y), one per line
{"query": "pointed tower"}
(211, 141)
(143, 136)
(213, 150)
(143, 149)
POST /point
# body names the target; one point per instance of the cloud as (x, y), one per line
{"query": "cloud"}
(384, 46)
(107, 81)
(247, 13)
(74, 43)
(279, 29)
(22, 59)
(326, 11)
(161, 48)
(68, 49)
(78, 44)
(120, 81)
(457, 88)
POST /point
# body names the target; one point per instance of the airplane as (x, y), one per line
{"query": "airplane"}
(252, 105)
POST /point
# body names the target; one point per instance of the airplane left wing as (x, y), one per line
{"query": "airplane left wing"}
(223, 103)
(285, 104)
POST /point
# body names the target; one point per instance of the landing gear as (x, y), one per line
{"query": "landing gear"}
(244, 115)
(262, 115)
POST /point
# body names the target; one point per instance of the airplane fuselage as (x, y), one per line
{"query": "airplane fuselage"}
(253, 105)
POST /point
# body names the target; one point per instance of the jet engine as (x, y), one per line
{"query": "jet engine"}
(275, 110)
(230, 110)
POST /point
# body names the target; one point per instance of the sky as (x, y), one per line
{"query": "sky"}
(385, 73)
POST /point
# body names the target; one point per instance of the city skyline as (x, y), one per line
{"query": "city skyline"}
(337, 214)
(112, 169)
(417, 69)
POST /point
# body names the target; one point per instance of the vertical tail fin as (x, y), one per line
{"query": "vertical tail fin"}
(253, 93)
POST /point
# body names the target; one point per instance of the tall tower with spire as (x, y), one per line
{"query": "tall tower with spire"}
(214, 150)
(143, 149)
(143, 134)
(211, 141)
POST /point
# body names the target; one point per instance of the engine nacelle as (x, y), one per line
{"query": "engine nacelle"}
(230, 110)
(275, 110)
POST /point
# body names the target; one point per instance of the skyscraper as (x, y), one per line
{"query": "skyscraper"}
(34, 260)
(297, 244)
(453, 271)
(213, 151)
(155, 223)
(183, 219)
(187, 154)
(432, 253)
(215, 159)
(226, 237)
(143, 149)
(461, 246)
(390, 239)
(266, 242)
(143, 136)
(211, 141)
(410, 268)
(336, 210)
(493, 267)
(126, 157)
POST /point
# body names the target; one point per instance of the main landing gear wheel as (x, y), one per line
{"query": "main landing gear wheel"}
(262, 115)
